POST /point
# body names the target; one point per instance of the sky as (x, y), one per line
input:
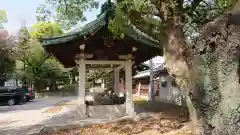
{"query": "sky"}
(19, 11)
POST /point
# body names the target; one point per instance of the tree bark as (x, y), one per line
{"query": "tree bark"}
(220, 104)
(179, 64)
(55, 85)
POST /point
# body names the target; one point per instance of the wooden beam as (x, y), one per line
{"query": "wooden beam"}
(125, 57)
(102, 62)
(87, 56)
(99, 68)
(120, 67)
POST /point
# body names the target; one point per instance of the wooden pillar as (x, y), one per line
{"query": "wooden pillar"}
(81, 82)
(116, 82)
(128, 83)
(159, 86)
(151, 95)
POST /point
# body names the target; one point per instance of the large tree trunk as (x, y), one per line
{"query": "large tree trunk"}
(220, 56)
(179, 64)
(220, 105)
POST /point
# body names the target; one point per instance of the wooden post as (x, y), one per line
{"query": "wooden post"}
(128, 83)
(116, 81)
(81, 82)
(159, 86)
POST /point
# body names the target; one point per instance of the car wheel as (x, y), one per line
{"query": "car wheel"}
(24, 98)
(11, 102)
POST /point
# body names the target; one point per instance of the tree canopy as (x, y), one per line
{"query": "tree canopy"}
(152, 16)
(7, 62)
(34, 64)
(65, 12)
(45, 29)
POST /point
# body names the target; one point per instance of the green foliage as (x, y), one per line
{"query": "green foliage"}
(66, 12)
(69, 90)
(7, 64)
(93, 75)
(34, 65)
(117, 23)
(3, 18)
(151, 18)
(52, 70)
(30, 58)
(141, 14)
(225, 4)
(45, 29)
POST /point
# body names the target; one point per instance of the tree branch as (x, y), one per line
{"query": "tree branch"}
(152, 13)
(66, 7)
(158, 4)
(43, 59)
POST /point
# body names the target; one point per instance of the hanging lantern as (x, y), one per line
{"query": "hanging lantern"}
(82, 47)
(134, 49)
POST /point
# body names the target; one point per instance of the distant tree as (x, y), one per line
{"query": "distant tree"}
(53, 73)
(73, 74)
(3, 18)
(7, 62)
(31, 55)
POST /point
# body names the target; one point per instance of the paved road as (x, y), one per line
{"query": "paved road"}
(14, 119)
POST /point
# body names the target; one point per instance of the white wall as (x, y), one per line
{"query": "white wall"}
(170, 93)
(12, 82)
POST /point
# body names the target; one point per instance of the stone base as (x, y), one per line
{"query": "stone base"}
(130, 109)
(81, 109)
(106, 111)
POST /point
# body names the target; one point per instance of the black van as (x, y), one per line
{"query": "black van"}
(12, 95)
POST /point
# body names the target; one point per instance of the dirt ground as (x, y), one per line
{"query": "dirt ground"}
(164, 127)
(163, 119)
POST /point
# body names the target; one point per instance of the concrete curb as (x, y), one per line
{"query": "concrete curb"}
(77, 124)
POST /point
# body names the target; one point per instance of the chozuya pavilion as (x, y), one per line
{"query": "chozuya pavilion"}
(93, 44)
